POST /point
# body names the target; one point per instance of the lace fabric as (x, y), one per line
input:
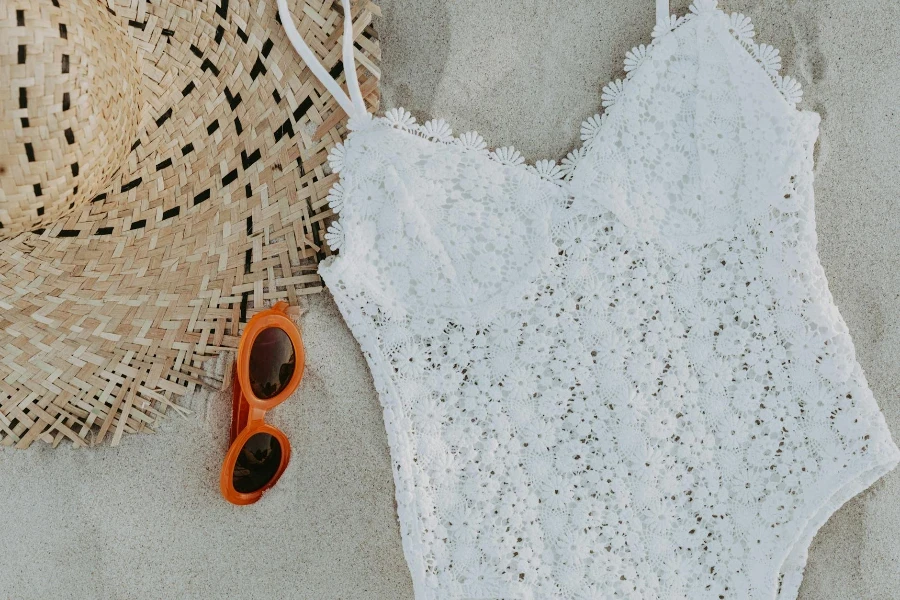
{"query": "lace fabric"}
(619, 376)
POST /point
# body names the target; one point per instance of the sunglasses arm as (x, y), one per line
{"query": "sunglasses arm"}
(240, 408)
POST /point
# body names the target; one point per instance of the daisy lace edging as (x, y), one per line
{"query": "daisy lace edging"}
(439, 131)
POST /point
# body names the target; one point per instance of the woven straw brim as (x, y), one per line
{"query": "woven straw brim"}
(108, 313)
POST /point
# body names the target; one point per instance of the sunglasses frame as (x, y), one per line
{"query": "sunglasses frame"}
(248, 412)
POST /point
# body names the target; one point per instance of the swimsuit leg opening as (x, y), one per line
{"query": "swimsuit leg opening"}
(793, 564)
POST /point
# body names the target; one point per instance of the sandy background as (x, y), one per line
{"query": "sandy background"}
(76, 524)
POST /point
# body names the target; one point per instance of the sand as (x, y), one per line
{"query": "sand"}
(81, 524)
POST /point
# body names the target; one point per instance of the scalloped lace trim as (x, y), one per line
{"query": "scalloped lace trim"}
(439, 131)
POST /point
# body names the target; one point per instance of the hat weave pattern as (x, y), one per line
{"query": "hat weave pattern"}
(219, 208)
(70, 110)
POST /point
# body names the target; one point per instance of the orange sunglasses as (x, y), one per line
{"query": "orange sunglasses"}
(269, 367)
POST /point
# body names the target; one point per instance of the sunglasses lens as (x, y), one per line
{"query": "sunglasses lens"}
(257, 463)
(272, 362)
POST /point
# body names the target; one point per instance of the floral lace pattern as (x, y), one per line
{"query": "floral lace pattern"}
(620, 376)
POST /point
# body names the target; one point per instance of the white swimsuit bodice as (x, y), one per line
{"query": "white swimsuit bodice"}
(620, 376)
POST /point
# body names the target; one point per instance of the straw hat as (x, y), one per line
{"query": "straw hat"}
(162, 176)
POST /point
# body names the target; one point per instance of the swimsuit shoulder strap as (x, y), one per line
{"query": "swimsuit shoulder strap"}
(662, 10)
(352, 105)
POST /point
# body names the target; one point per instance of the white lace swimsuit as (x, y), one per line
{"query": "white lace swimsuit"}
(620, 376)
